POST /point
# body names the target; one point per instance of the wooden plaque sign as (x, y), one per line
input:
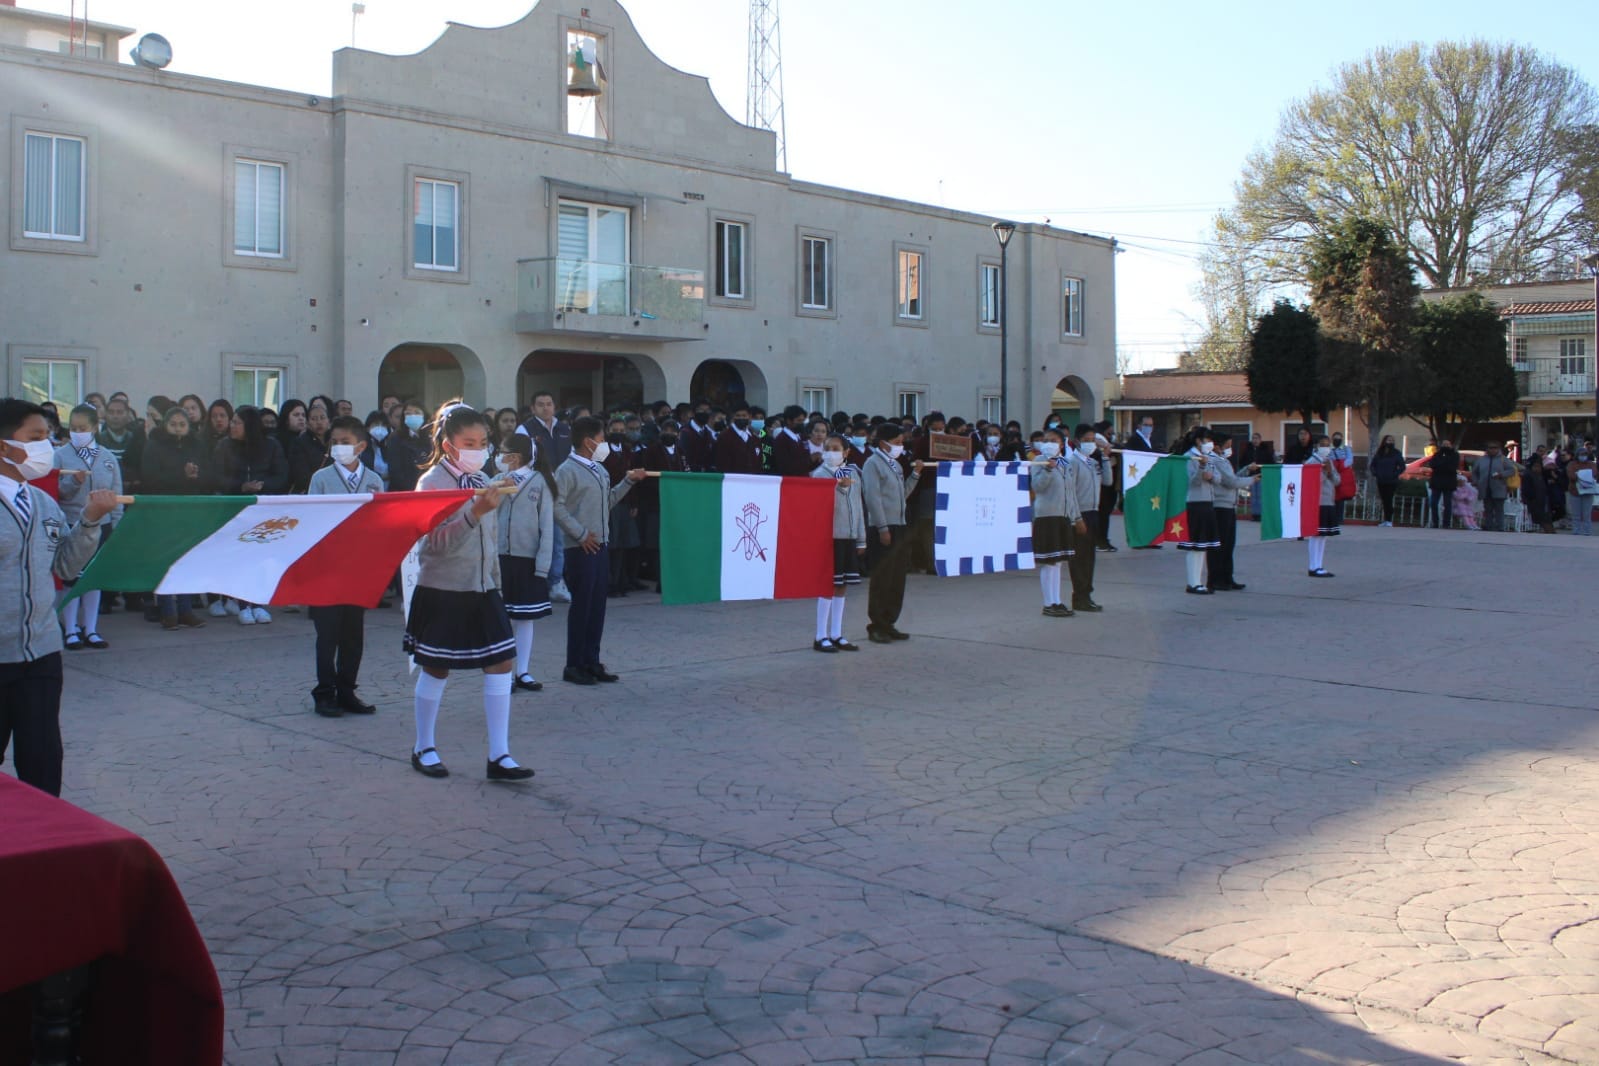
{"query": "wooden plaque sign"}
(948, 447)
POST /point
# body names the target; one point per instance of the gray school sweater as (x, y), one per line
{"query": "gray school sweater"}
(1200, 490)
(849, 518)
(29, 555)
(104, 473)
(526, 523)
(584, 497)
(329, 481)
(1225, 488)
(1055, 491)
(887, 488)
(460, 555)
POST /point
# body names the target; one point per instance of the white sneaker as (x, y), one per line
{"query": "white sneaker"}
(232, 606)
(217, 610)
(1385, 525)
(246, 618)
(261, 616)
(559, 593)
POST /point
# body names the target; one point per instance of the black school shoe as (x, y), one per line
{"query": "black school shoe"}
(573, 675)
(895, 634)
(527, 683)
(353, 704)
(1086, 605)
(1231, 586)
(436, 770)
(824, 645)
(326, 706)
(843, 645)
(599, 673)
(496, 772)
(878, 636)
(1198, 590)
(1320, 573)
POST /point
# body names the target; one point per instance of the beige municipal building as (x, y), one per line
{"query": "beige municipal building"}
(544, 205)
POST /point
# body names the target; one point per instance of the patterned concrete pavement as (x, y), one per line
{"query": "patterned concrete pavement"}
(1318, 821)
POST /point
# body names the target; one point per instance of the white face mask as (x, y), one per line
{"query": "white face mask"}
(1048, 449)
(993, 442)
(82, 440)
(1227, 451)
(896, 450)
(471, 460)
(832, 460)
(344, 454)
(1087, 448)
(1322, 453)
(602, 451)
(39, 460)
(379, 433)
(1207, 446)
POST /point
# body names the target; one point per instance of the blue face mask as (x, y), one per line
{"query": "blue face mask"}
(413, 422)
(757, 424)
(859, 443)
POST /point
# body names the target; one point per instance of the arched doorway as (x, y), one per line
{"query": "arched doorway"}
(1073, 401)
(725, 382)
(427, 374)
(596, 380)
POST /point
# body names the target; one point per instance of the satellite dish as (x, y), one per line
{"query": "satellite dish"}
(152, 51)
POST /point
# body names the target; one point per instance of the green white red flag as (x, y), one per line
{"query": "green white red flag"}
(317, 551)
(1290, 500)
(745, 537)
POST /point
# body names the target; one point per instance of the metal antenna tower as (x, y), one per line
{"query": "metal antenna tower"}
(764, 108)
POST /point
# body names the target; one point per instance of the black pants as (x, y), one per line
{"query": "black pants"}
(1081, 564)
(1386, 494)
(30, 720)
(1107, 504)
(340, 641)
(1220, 559)
(889, 564)
(588, 580)
(920, 536)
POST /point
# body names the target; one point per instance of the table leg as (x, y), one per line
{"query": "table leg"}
(58, 1017)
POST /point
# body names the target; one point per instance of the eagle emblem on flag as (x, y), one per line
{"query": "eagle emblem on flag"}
(1291, 489)
(270, 530)
(749, 523)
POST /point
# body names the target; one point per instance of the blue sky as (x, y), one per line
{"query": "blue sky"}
(1127, 120)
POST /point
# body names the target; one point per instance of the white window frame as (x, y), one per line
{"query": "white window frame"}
(415, 270)
(1519, 354)
(728, 287)
(53, 363)
(431, 187)
(256, 370)
(716, 292)
(986, 269)
(54, 233)
(22, 239)
(809, 239)
(914, 392)
(255, 252)
(1071, 306)
(903, 313)
(988, 405)
(287, 257)
(1573, 356)
(816, 398)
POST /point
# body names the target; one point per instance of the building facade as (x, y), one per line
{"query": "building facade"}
(474, 219)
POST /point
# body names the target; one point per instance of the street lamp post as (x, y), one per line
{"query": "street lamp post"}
(1592, 263)
(1004, 231)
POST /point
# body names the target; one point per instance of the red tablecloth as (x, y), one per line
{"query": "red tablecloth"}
(75, 889)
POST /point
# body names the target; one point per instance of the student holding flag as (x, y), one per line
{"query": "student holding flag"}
(1056, 510)
(887, 487)
(85, 466)
(457, 619)
(1220, 558)
(527, 544)
(1201, 533)
(1330, 520)
(341, 629)
(849, 544)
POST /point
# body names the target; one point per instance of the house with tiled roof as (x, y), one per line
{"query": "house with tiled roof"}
(1550, 335)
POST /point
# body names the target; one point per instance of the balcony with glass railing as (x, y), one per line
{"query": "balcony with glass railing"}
(1557, 377)
(613, 300)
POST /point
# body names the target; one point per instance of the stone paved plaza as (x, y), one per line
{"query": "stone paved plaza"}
(1318, 821)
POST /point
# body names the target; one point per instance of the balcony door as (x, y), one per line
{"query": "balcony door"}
(1573, 366)
(591, 267)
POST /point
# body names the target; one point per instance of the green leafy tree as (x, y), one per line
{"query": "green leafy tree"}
(1284, 349)
(1471, 155)
(1363, 295)
(1460, 342)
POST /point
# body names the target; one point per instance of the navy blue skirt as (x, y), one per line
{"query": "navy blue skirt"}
(450, 630)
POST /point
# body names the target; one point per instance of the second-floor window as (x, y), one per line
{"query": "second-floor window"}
(816, 274)
(730, 269)
(1071, 307)
(1573, 355)
(436, 209)
(258, 208)
(909, 284)
(988, 295)
(53, 187)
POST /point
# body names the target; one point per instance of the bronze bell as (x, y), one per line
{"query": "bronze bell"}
(580, 77)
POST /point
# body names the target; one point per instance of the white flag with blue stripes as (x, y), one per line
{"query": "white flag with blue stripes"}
(983, 522)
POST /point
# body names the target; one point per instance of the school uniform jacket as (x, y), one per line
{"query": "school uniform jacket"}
(104, 473)
(1225, 488)
(790, 457)
(30, 553)
(526, 523)
(738, 455)
(462, 553)
(698, 445)
(887, 488)
(849, 517)
(331, 481)
(584, 498)
(1055, 491)
(1085, 482)
(1200, 490)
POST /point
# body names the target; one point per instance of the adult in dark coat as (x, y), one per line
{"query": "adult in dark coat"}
(551, 436)
(310, 451)
(1441, 484)
(1386, 467)
(1535, 493)
(1142, 438)
(1300, 449)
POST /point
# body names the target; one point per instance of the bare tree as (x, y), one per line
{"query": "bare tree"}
(1473, 155)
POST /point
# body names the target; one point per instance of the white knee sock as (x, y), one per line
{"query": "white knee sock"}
(1321, 553)
(429, 691)
(1044, 572)
(1318, 551)
(824, 610)
(1056, 572)
(1196, 569)
(497, 714)
(522, 628)
(835, 625)
(69, 615)
(91, 611)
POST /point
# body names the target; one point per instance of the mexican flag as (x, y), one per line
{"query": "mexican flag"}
(745, 537)
(1154, 497)
(1290, 501)
(312, 550)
